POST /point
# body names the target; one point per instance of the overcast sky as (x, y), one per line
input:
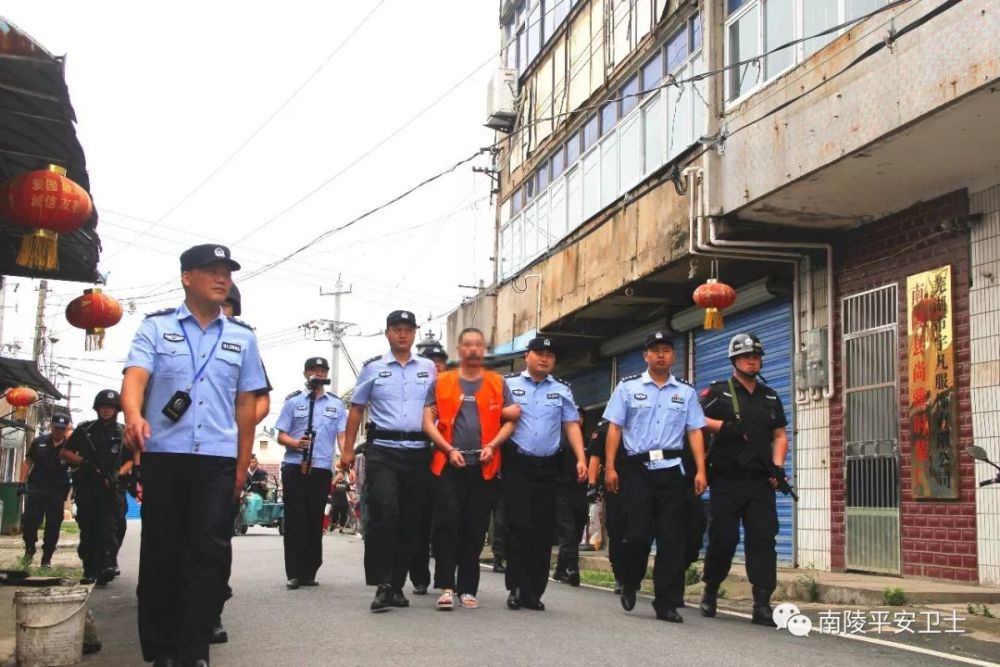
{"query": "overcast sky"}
(166, 92)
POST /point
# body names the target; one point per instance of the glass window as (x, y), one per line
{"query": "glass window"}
(515, 202)
(543, 177)
(609, 116)
(549, 21)
(591, 132)
(629, 152)
(696, 32)
(534, 28)
(542, 223)
(591, 183)
(652, 71)
(530, 234)
(857, 8)
(516, 248)
(505, 250)
(677, 49)
(557, 216)
(560, 11)
(573, 148)
(574, 198)
(609, 169)
(522, 52)
(652, 131)
(529, 189)
(680, 120)
(817, 16)
(743, 45)
(629, 95)
(558, 163)
(779, 28)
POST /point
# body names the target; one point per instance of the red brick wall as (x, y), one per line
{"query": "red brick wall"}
(939, 538)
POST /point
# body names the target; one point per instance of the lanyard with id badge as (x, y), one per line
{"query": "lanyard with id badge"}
(181, 400)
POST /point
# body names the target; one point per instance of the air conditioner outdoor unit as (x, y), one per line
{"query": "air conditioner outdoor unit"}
(500, 96)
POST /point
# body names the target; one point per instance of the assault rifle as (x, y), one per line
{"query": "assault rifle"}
(761, 454)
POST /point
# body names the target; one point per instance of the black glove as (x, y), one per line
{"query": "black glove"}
(22, 488)
(591, 493)
(733, 429)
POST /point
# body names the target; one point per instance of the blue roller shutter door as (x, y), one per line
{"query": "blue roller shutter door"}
(591, 386)
(772, 323)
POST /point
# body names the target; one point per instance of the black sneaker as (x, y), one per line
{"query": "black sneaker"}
(763, 615)
(105, 576)
(308, 582)
(498, 565)
(218, 635)
(559, 575)
(420, 590)
(399, 600)
(383, 599)
(573, 577)
(292, 584)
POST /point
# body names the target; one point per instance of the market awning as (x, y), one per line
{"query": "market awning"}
(37, 129)
(24, 372)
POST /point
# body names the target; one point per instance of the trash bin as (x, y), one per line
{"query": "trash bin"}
(10, 515)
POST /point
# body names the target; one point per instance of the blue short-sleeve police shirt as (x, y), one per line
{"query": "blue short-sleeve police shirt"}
(653, 417)
(329, 421)
(545, 407)
(395, 395)
(172, 346)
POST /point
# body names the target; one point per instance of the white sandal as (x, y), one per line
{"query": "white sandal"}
(469, 601)
(446, 602)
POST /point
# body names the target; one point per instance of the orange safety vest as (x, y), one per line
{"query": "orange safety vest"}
(489, 400)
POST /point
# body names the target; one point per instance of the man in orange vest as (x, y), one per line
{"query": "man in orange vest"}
(466, 419)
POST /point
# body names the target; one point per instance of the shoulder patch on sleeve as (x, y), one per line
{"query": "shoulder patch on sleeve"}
(240, 322)
(631, 377)
(368, 361)
(158, 313)
(293, 394)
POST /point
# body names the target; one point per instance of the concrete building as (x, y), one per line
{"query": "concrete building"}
(836, 159)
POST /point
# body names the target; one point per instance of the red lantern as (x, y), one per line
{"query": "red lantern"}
(94, 311)
(21, 398)
(51, 204)
(714, 297)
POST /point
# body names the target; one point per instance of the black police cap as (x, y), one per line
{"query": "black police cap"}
(401, 317)
(657, 338)
(236, 300)
(317, 362)
(539, 343)
(205, 254)
(60, 421)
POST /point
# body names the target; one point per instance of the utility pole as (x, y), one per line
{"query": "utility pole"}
(336, 329)
(39, 346)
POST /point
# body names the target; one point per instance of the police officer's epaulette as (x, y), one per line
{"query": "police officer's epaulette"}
(560, 380)
(683, 381)
(240, 322)
(293, 394)
(158, 313)
(511, 375)
(375, 358)
(330, 393)
(631, 377)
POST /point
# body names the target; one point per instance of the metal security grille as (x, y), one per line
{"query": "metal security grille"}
(871, 430)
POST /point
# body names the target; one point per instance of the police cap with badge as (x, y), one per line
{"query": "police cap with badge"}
(541, 344)
(658, 338)
(316, 362)
(59, 421)
(200, 256)
(401, 317)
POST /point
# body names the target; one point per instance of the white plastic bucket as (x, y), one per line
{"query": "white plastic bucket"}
(50, 626)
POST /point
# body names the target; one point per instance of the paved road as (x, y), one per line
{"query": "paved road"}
(331, 625)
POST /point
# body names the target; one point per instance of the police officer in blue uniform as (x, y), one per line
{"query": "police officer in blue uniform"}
(649, 415)
(44, 485)
(189, 372)
(307, 485)
(393, 387)
(102, 467)
(744, 413)
(530, 470)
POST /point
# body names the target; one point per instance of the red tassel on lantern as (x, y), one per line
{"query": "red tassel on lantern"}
(50, 204)
(94, 311)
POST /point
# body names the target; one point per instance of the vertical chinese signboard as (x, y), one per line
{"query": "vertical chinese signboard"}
(933, 396)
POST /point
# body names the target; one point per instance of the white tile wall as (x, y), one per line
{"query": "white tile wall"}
(812, 457)
(984, 311)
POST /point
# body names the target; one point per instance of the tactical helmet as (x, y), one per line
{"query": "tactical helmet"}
(108, 397)
(434, 351)
(235, 300)
(745, 343)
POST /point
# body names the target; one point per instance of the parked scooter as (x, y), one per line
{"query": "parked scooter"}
(980, 454)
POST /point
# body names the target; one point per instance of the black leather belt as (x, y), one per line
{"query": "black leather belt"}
(655, 455)
(377, 433)
(522, 453)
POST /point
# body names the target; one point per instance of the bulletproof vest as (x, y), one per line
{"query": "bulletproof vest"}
(106, 438)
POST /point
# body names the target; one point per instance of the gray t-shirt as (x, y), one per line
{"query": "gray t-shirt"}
(468, 433)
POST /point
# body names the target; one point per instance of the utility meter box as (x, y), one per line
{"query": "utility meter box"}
(816, 358)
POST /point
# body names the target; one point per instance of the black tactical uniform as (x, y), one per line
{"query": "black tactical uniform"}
(48, 484)
(571, 516)
(740, 486)
(614, 521)
(98, 491)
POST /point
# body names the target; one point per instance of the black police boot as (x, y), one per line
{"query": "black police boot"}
(399, 600)
(559, 575)
(105, 576)
(573, 577)
(218, 635)
(513, 601)
(383, 598)
(762, 612)
(420, 589)
(618, 587)
(498, 565)
(709, 599)
(668, 614)
(628, 598)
